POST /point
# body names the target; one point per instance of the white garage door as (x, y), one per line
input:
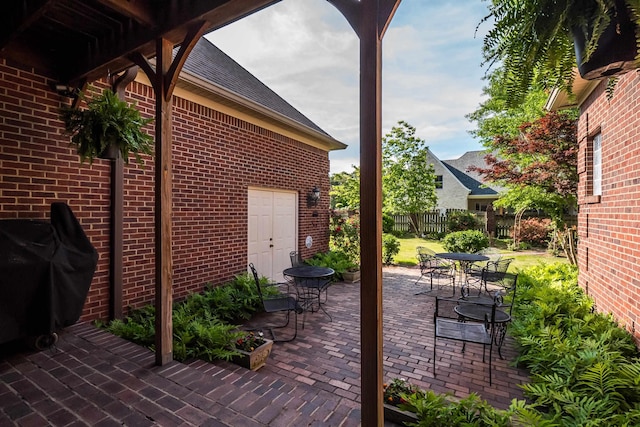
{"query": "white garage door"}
(273, 230)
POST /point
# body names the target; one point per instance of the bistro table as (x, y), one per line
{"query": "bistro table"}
(464, 260)
(479, 312)
(310, 281)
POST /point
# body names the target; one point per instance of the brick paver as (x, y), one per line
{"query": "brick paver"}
(95, 378)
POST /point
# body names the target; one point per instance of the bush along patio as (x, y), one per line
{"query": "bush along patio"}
(585, 369)
(204, 324)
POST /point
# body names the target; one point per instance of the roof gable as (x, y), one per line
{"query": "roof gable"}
(471, 179)
(211, 64)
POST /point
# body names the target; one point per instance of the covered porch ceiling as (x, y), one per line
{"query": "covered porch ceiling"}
(72, 41)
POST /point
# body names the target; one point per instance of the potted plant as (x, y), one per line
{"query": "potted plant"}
(352, 274)
(253, 350)
(395, 396)
(534, 41)
(108, 127)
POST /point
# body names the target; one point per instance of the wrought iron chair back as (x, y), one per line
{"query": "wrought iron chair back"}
(434, 268)
(296, 259)
(448, 325)
(278, 303)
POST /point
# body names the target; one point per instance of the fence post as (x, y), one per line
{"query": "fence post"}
(490, 222)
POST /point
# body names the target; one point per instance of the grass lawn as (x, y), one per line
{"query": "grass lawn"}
(523, 259)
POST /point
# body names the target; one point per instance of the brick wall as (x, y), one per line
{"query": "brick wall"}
(609, 226)
(215, 159)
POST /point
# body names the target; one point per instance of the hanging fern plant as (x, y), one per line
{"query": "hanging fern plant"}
(541, 42)
(107, 124)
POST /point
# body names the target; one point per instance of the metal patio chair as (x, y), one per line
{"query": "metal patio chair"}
(492, 273)
(503, 296)
(434, 268)
(448, 325)
(278, 303)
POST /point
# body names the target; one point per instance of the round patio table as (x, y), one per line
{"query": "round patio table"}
(479, 312)
(310, 281)
(464, 260)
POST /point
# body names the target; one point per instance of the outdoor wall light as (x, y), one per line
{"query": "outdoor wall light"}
(65, 90)
(313, 197)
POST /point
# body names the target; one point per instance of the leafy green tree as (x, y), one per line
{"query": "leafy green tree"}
(495, 116)
(539, 170)
(345, 190)
(408, 182)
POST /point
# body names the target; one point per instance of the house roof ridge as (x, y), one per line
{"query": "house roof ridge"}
(211, 64)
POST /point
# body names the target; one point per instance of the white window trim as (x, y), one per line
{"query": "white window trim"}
(596, 165)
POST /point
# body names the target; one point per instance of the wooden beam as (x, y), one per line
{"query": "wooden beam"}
(141, 11)
(174, 21)
(20, 17)
(370, 18)
(191, 39)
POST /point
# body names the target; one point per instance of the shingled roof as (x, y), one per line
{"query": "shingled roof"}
(471, 180)
(211, 64)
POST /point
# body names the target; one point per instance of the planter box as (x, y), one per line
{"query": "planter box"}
(351, 276)
(256, 359)
(398, 416)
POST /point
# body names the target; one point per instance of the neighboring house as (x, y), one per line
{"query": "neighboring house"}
(244, 162)
(609, 194)
(458, 188)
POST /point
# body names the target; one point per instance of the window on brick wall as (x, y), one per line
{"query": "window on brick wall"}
(438, 181)
(596, 165)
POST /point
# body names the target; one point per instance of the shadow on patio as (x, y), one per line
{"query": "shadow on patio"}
(98, 379)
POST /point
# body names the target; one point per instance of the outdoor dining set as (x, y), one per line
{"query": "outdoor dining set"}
(305, 290)
(483, 308)
(477, 311)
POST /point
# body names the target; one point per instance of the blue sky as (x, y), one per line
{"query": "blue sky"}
(306, 52)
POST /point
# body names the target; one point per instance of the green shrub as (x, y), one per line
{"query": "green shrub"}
(387, 223)
(344, 235)
(390, 248)
(583, 366)
(461, 221)
(585, 370)
(337, 260)
(534, 231)
(465, 241)
(202, 323)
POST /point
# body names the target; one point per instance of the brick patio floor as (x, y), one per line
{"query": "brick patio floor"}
(94, 378)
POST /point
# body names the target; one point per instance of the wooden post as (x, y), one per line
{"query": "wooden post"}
(370, 217)
(164, 79)
(163, 202)
(369, 19)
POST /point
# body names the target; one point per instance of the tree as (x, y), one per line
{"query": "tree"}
(539, 170)
(495, 116)
(408, 182)
(543, 156)
(345, 190)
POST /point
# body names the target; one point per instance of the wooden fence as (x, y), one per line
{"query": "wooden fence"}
(435, 223)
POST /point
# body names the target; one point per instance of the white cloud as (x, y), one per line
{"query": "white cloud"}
(307, 53)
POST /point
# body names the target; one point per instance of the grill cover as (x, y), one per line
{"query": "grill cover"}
(46, 269)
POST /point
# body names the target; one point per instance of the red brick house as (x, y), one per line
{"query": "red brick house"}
(609, 194)
(244, 161)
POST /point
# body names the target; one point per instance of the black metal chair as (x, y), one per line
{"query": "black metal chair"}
(448, 325)
(434, 268)
(503, 296)
(296, 259)
(278, 303)
(492, 273)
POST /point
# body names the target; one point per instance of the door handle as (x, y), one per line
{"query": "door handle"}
(270, 246)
